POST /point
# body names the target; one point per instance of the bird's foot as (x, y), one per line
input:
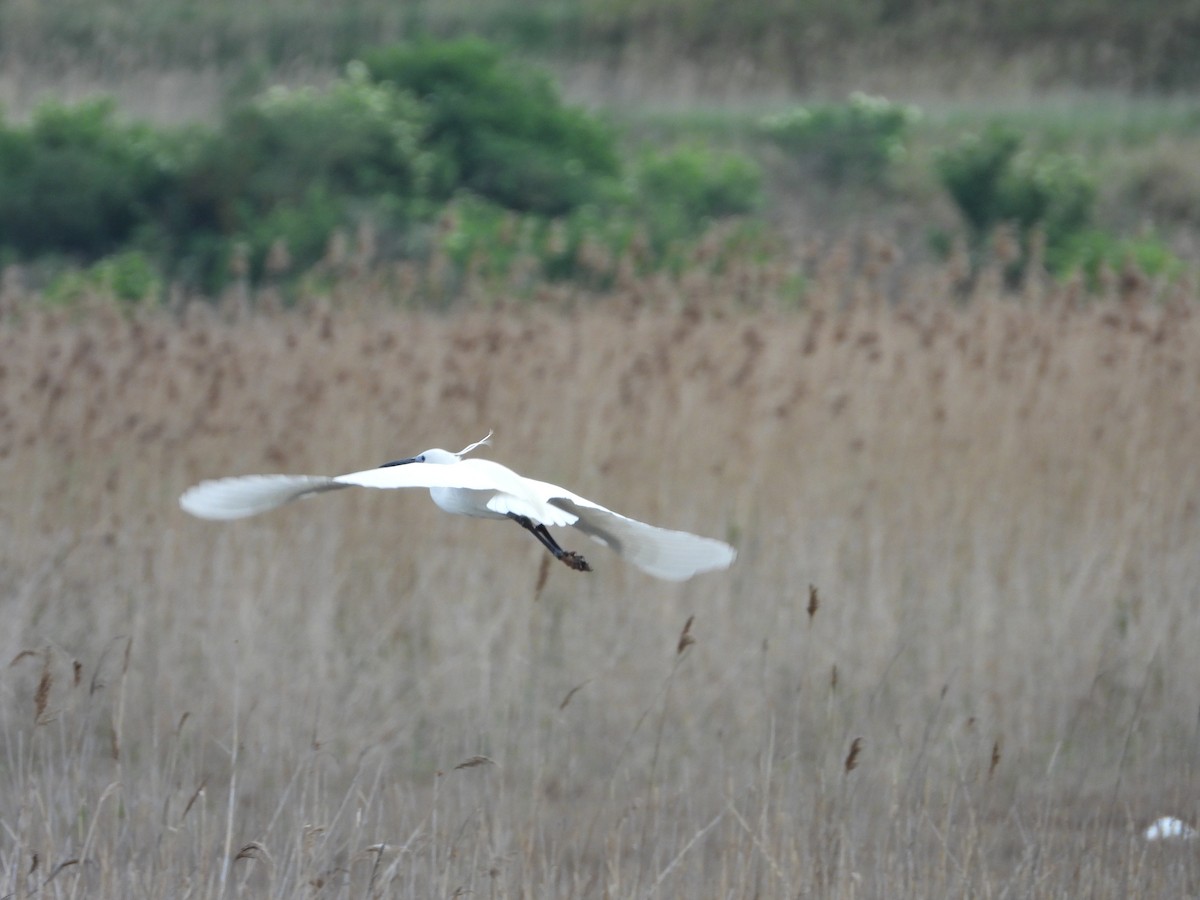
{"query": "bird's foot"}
(574, 561)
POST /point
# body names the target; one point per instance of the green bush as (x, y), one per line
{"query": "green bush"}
(499, 130)
(302, 227)
(845, 142)
(1053, 191)
(995, 182)
(523, 184)
(76, 182)
(1091, 250)
(297, 164)
(485, 238)
(680, 192)
(129, 277)
(589, 246)
(974, 172)
(491, 242)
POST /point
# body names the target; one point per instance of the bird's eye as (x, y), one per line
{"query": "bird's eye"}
(421, 458)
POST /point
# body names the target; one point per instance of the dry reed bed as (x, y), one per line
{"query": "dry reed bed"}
(997, 505)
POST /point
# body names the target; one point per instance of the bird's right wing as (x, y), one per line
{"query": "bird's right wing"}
(248, 495)
(661, 552)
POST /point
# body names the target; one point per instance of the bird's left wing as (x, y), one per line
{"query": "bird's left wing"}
(661, 552)
(248, 495)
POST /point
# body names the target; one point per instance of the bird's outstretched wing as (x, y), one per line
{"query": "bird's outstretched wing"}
(661, 552)
(248, 495)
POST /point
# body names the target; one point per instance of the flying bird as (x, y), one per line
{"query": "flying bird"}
(485, 489)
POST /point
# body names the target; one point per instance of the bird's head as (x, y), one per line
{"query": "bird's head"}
(439, 457)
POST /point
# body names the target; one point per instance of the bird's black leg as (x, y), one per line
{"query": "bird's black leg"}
(568, 557)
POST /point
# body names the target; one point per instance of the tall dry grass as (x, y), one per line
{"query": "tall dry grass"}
(990, 686)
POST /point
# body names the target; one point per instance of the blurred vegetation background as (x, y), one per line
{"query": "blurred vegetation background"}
(152, 147)
(898, 297)
(1154, 45)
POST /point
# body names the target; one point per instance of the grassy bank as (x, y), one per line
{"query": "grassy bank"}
(1143, 47)
(996, 504)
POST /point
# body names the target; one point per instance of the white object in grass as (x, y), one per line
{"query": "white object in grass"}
(1170, 828)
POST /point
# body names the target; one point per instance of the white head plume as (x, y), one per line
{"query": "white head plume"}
(483, 443)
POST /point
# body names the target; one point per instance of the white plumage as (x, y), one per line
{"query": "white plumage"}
(486, 489)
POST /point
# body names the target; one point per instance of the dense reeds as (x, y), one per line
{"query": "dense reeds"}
(955, 657)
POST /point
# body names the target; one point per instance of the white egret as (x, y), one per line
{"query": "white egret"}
(486, 489)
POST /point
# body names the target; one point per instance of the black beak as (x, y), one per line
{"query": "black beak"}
(399, 462)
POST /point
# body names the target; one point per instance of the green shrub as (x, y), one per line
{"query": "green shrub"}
(297, 164)
(527, 184)
(1089, 251)
(974, 172)
(499, 130)
(589, 246)
(845, 142)
(994, 182)
(702, 182)
(76, 182)
(1053, 191)
(302, 228)
(491, 242)
(130, 277)
(680, 192)
(485, 238)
